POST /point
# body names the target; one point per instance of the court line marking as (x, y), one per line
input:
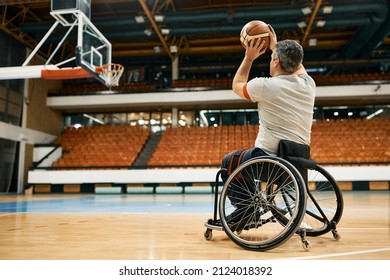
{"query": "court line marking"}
(9, 214)
(340, 254)
(363, 228)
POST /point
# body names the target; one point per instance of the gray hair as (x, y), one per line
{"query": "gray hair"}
(290, 55)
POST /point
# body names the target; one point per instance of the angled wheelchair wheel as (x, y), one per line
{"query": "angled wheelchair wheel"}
(262, 203)
(324, 204)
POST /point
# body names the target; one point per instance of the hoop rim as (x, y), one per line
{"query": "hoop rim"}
(100, 69)
(110, 73)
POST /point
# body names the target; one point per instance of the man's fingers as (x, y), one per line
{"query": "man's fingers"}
(256, 43)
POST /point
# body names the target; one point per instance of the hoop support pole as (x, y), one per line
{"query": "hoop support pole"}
(23, 72)
(40, 43)
(61, 42)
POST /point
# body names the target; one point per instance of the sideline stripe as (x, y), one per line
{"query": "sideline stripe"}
(340, 254)
(360, 228)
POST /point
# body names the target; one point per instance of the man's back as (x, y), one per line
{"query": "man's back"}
(285, 101)
(285, 106)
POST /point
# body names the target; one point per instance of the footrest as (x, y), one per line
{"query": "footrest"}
(213, 224)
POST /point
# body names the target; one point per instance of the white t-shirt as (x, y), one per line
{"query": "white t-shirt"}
(285, 104)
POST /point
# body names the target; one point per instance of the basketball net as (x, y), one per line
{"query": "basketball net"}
(111, 73)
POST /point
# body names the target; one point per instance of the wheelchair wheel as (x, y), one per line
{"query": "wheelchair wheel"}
(324, 204)
(262, 203)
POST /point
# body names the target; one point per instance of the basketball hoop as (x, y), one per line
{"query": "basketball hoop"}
(111, 73)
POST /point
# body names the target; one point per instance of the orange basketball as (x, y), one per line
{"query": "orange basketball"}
(255, 29)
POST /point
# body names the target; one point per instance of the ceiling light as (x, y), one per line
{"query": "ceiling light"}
(327, 9)
(380, 111)
(306, 10)
(313, 42)
(165, 31)
(316, 70)
(321, 23)
(93, 118)
(182, 122)
(148, 32)
(139, 19)
(159, 18)
(156, 49)
(301, 24)
(173, 49)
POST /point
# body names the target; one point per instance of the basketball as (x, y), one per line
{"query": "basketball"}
(255, 29)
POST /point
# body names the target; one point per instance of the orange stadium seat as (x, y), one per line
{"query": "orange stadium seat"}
(334, 141)
(117, 145)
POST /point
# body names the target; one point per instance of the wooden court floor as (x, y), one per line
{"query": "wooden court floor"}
(169, 227)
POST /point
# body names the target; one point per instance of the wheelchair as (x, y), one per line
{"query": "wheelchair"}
(267, 199)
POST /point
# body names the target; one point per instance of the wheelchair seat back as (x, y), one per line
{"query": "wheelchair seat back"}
(298, 155)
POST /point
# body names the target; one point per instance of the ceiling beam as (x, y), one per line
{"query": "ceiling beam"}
(155, 27)
(310, 24)
(15, 2)
(10, 24)
(187, 50)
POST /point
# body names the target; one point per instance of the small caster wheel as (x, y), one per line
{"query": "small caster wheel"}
(336, 235)
(306, 245)
(208, 234)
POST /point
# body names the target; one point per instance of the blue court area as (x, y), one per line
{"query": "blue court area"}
(112, 204)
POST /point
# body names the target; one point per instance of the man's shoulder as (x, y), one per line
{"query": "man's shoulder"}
(306, 76)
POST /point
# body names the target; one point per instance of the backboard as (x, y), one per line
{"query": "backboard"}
(92, 50)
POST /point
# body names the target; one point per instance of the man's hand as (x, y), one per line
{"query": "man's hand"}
(254, 48)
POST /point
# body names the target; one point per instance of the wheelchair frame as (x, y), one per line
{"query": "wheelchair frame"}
(265, 201)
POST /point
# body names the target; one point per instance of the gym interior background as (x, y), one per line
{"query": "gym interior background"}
(180, 58)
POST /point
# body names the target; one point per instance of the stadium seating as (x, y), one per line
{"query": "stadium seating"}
(351, 141)
(333, 141)
(201, 145)
(70, 89)
(96, 146)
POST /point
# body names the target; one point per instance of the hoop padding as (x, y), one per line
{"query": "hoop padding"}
(65, 73)
(111, 73)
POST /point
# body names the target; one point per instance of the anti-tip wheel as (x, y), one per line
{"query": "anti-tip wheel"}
(336, 235)
(208, 234)
(306, 245)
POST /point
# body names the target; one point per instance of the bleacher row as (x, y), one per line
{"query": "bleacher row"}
(197, 145)
(335, 141)
(96, 146)
(351, 141)
(220, 83)
(96, 87)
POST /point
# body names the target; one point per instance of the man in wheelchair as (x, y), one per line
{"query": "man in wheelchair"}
(285, 106)
(250, 199)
